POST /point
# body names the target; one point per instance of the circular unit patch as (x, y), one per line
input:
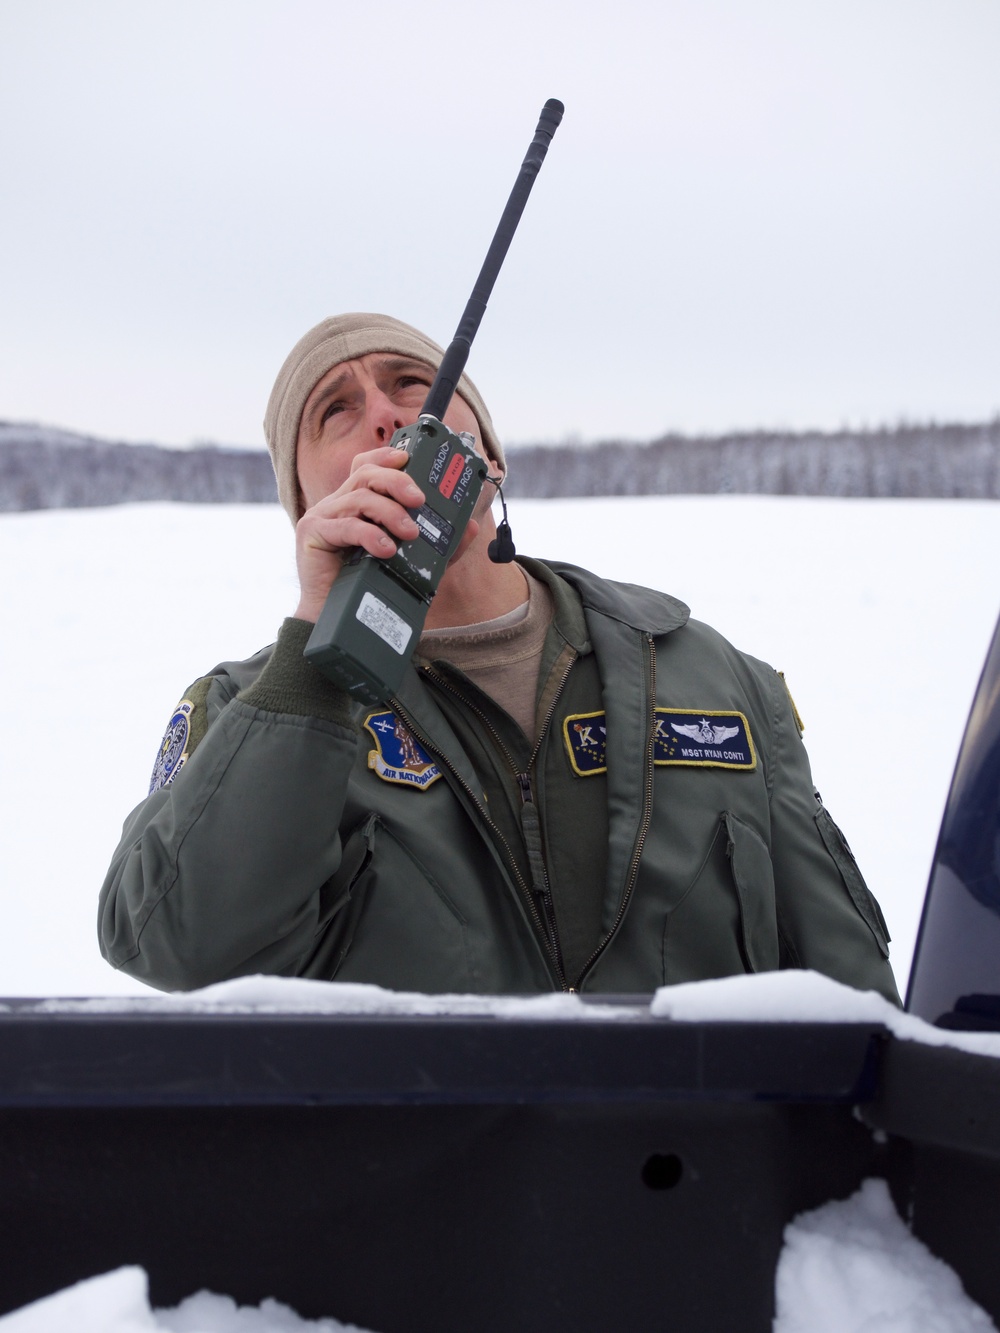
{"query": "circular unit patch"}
(173, 748)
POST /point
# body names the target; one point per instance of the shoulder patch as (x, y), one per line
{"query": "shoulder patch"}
(586, 737)
(174, 748)
(795, 712)
(398, 755)
(703, 738)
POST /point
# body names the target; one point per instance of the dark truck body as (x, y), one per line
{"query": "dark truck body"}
(453, 1173)
(955, 979)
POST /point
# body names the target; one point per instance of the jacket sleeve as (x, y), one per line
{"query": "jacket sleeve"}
(828, 919)
(220, 873)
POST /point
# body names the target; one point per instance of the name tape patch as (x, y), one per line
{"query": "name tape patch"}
(705, 738)
(173, 752)
(398, 755)
(687, 737)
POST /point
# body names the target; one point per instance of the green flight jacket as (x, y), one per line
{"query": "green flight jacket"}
(297, 838)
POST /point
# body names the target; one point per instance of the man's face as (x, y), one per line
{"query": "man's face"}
(356, 407)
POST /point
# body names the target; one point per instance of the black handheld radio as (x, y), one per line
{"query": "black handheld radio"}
(375, 611)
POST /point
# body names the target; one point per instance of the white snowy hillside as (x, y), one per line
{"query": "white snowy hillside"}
(878, 612)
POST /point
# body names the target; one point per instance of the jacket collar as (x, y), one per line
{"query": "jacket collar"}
(639, 608)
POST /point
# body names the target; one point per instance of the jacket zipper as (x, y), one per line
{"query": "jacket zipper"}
(647, 815)
(544, 893)
(526, 894)
(543, 913)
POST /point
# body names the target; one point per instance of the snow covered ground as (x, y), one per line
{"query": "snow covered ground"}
(879, 612)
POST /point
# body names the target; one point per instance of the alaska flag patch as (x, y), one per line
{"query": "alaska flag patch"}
(398, 755)
(690, 737)
(703, 738)
(586, 743)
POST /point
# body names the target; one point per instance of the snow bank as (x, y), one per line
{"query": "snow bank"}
(767, 997)
(118, 1302)
(852, 1267)
(804, 997)
(299, 995)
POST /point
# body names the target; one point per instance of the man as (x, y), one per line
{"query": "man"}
(576, 786)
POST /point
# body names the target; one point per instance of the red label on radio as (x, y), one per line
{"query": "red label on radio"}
(451, 475)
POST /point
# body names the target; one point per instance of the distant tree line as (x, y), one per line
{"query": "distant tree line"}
(43, 468)
(933, 461)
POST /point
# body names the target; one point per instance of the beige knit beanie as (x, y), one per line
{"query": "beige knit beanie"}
(344, 338)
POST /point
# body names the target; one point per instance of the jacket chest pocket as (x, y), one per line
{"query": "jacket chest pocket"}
(724, 921)
(341, 903)
(392, 923)
(753, 875)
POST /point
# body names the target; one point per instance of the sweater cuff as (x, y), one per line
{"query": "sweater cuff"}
(291, 684)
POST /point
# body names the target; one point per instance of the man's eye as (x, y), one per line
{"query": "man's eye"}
(331, 410)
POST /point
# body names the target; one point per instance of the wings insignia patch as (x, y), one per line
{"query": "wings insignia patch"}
(704, 732)
(704, 739)
(685, 737)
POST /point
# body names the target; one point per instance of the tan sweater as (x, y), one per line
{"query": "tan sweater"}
(501, 656)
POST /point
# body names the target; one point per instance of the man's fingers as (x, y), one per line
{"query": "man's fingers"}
(383, 481)
(368, 510)
(336, 535)
(379, 471)
(383, 469)
(381, 457)
(380, 510)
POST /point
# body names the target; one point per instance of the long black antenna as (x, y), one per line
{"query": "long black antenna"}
(455, 357)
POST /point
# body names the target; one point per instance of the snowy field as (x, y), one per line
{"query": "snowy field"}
(879, 613)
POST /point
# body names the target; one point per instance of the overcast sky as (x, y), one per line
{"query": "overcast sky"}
(756, 212)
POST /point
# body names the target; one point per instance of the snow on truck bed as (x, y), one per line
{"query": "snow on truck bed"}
(848, 1267)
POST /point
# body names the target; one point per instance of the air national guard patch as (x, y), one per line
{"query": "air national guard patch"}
(684, 736)
(173, 751)
(398, 755)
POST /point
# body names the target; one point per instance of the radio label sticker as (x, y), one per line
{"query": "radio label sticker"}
(451, 475)
(434, 529)
(462, 485)
(440, 458)
(382, 620)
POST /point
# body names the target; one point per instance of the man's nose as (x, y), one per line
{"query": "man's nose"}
(384, 416)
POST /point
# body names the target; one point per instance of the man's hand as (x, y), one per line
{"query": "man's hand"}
(375, 496)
